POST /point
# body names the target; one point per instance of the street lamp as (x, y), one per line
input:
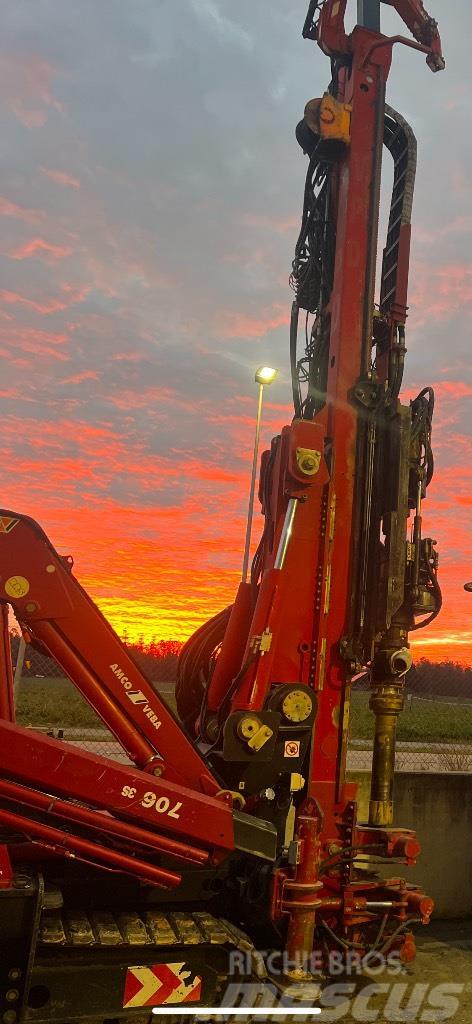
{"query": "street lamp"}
(263, 376)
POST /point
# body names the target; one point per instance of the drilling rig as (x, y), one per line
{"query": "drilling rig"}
(232, 828)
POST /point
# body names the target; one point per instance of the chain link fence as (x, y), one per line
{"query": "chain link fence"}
(435, 728)
(47, 701)
(434, 731)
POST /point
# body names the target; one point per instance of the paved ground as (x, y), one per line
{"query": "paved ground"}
(442, 972)
(437, 987)
(445, 955)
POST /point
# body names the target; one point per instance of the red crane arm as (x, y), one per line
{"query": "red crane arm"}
(423, 28)
(331, 36)
(174, 793)
(148, 817)
(57, 611)
(121, 790)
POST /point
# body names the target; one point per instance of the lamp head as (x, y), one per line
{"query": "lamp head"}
(266, 375)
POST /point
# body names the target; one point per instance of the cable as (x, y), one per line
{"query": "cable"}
(345, 943)
(422, 408)
(347, 854)
(391, 938)
(374, 948)
(296, 390)
(380, 933)
(195, 665)
(311, 279)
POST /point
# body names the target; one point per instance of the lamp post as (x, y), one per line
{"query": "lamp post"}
(263, 376)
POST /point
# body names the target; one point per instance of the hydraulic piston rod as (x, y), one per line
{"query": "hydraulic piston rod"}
(386, 703)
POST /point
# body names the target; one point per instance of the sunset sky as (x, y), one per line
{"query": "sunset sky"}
(150, 196)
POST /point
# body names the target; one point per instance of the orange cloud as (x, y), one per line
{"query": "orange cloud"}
(25, 86)
(436, 292)
(128, 357)
(79, 378)
(136, 562)
(38, 246)
(61, 177)
(240, 325)
(33, 342)
(163, 563)
(75, 295)
(145, 398)
(29, 216)
(455, 647)
(284, 226)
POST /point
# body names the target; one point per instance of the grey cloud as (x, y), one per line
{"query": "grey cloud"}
(178, 119)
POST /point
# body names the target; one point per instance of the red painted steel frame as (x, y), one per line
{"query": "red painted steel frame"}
(7, 702)
(334, 41)
(304, 608)
(60, 769)
(49, 601)
(305, 605)
(103, 822)
(357, 187)
(85, 849)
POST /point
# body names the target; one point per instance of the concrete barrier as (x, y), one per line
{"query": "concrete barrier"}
(439, 808)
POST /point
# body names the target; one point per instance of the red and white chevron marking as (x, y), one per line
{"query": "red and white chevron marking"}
(159, 984)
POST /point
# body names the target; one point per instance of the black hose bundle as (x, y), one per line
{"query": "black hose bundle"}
(422, 408)
(195, 665)
(311, 279)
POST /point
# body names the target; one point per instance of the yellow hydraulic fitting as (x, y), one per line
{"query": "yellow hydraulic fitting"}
(308, 460)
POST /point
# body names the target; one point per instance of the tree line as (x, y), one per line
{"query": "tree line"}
(158, 660)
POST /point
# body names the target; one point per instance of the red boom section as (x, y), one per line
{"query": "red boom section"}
(41, 773)
(333, 40)
(49, 601)
(60, 768)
